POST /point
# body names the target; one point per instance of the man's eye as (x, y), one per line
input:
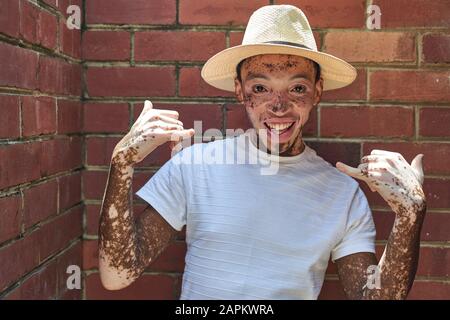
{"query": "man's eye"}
(299, 89)
(258, 88)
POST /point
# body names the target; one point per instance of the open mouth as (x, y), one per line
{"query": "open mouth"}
(279, 128)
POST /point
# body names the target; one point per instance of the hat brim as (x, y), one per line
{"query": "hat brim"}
(220, 70)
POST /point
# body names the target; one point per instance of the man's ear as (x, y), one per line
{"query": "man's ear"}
(318, 91)
(238, 90)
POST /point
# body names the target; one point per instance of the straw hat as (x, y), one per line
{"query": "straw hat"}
(276, 29)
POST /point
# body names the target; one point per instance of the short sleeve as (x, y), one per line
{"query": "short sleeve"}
(359, 235)
(166, 193)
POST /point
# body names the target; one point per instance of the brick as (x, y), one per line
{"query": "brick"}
(434, 122)
(99, 117)
(333, 152)
(58, 233)
(414, 86)
(70, 115)
(354, 91)
(40, 202)
(38, 26)
(429, 290)
(94, 184)
(10, 119)
(90, 254)
(59, 155)
(29, 21)
(18, 163)
(17, 259)
(177, 45)
(433, 154)
(19, 67)
(48, 30)
(99, 150)
(146, 287)
(9, 17)
(433, 228)
(131, 12)
(58, 76)
(434, 262)
(92, 219)
(52, 3)
(368, 121)
(437, 192)
(368, 46)
(127, 81)
(219, 12)
(404, 13)
(11, 217)
(38, 115)
(106, 45)
(70, 40)
(332, 13)
(69, 191)
(41, 285)
(192, 85)
(436, 48)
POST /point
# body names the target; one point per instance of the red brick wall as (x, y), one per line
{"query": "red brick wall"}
(136, 50)
(41, 145)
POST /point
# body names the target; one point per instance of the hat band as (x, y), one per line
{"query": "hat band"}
(289, 44)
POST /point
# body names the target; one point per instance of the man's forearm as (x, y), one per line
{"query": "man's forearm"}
(118, 248)
(398, 265)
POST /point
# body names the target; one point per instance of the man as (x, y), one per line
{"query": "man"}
(255, 236)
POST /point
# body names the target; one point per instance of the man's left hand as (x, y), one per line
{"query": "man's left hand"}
(388, 173)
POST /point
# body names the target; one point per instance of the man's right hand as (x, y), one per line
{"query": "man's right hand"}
(153, 128)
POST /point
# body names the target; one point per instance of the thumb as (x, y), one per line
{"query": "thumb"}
(352, 172)
(416, 164)
(147, 105)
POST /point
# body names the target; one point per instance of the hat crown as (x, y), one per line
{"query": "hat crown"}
(279, 23)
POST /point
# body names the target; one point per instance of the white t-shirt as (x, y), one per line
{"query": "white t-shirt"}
(259, 234)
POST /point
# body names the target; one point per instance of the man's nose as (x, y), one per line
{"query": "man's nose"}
(281, 104)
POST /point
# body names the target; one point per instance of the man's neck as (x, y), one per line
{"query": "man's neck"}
(295, 149)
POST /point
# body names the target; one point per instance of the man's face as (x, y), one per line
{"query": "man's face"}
(279, 91)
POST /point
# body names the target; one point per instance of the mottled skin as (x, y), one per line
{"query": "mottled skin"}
(127, 245)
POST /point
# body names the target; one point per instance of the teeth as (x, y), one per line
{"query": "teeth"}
(277, 127)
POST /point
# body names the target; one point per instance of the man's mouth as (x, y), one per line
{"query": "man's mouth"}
(280, 129)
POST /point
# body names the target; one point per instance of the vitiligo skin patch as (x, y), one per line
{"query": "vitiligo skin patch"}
(127, 245)
(400, 185)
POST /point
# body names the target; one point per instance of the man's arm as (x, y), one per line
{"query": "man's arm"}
(127, 245)
(400, 185)
(395, 270)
